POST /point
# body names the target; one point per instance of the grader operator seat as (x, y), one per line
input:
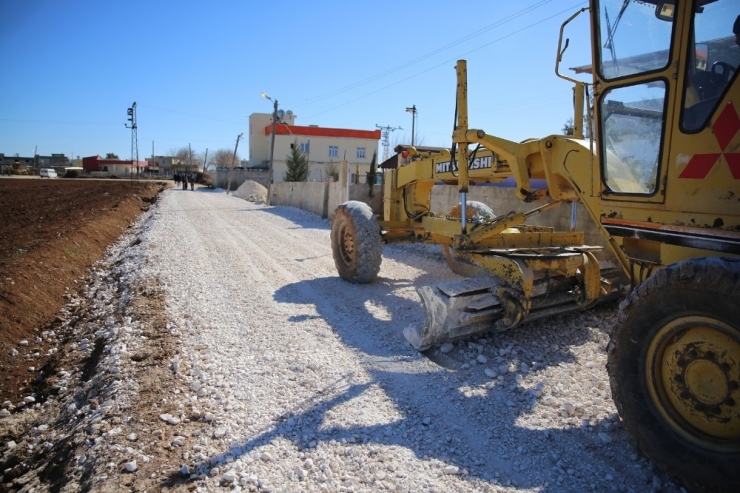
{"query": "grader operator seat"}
(723, 70)
(708, 84)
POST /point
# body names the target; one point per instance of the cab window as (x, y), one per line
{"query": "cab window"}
(713, 59)
(632, 120)
(633, 39)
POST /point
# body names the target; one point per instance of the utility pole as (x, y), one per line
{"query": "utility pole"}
(272, 151)
(272, 145)
(205, 161)
(228, 186)
(385, 135)
(131, 112)
(412, 110)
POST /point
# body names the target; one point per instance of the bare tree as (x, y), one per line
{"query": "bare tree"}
(332, 170)
(405, 140)
(187, 156)
(222, 158)
(183, 154)
(202, 156)
(197, 160)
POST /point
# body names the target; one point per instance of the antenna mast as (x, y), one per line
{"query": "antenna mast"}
(131, 112)
(385, 134)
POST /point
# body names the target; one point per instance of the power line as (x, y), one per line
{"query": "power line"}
(65, 122)
(446, 61)
(483, 30)
(199, 117)
(368, 80)
(71, 122)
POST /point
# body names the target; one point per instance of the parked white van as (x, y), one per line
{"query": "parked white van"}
(47, 173)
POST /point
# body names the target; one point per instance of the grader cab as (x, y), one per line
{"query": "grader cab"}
(658, 172)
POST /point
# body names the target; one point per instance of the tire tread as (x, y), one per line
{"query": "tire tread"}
(710, 472)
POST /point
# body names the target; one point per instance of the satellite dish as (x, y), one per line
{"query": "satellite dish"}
(281, 114)
(289, 113)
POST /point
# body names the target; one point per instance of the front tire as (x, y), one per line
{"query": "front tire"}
(674, 370)
(356, 242)
(475, 211)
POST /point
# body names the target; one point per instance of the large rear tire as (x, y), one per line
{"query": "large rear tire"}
(356, 242)
(674, 369)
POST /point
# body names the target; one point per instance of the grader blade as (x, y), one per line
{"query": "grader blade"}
(455, 309)
(464, 307)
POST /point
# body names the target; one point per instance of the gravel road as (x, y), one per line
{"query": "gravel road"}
(283, 377)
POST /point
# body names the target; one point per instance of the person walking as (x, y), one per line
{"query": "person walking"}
(176, 177)
(192, 182)
(184, 181)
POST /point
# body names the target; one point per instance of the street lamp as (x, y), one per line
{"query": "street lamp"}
(272, 145)
(412, 110)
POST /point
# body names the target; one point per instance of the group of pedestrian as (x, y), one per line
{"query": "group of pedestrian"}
(185, 178)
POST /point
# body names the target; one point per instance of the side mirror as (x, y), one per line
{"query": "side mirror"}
(664, 10)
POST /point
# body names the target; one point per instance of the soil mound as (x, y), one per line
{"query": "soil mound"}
(252, 191)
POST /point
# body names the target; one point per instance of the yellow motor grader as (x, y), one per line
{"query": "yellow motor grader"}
(658, 171)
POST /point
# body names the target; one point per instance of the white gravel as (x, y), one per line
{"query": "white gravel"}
(291, 379)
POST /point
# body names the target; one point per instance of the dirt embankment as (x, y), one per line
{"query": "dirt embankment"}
(51, 232)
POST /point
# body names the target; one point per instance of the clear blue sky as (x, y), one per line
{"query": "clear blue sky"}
(196, 69)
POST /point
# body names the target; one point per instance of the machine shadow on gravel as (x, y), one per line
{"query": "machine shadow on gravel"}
(301, 218)
(477, 420)
(398, 252)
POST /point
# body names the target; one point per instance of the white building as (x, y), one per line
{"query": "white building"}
(167, 165)
(324, 147)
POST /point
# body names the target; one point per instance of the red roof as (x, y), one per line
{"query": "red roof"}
(299, 130)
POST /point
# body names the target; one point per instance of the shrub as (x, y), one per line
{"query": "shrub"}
(204, 179)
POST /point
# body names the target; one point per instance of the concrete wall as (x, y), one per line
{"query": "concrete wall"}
(323, 199)
(307, 195)
(221, 178)
(503, 200)
(342, 190)
(361, 192)
(337, 195)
